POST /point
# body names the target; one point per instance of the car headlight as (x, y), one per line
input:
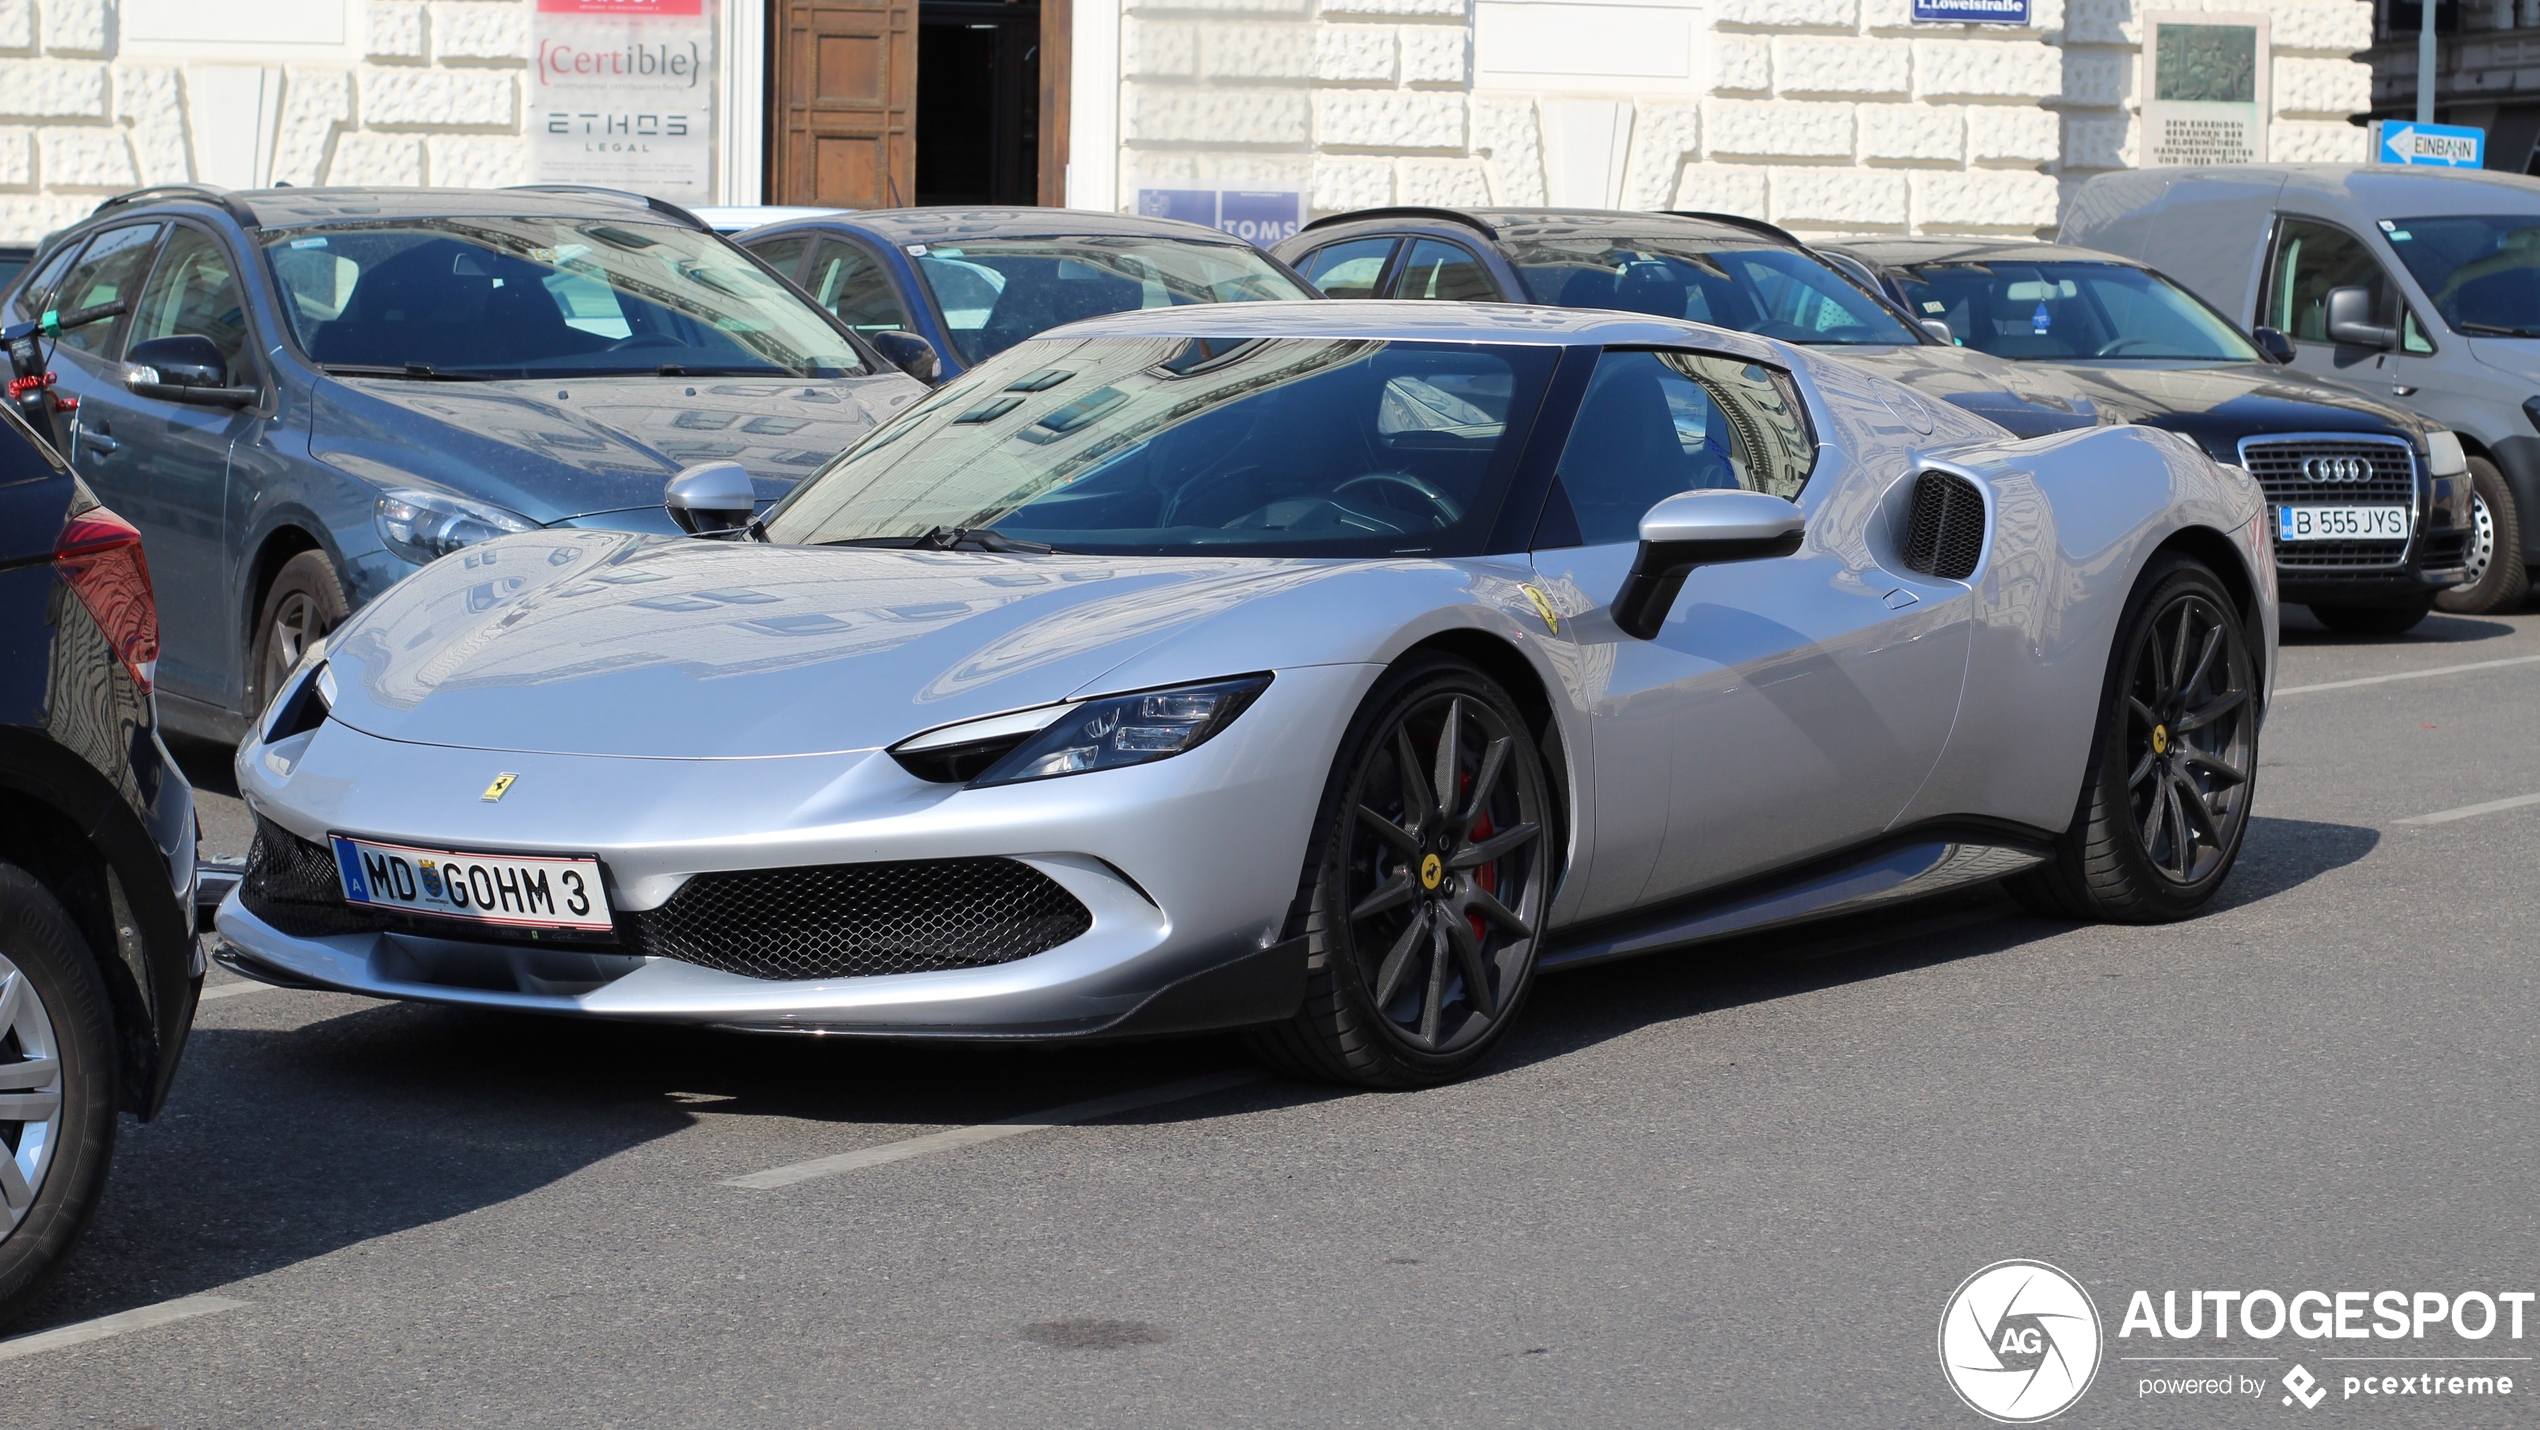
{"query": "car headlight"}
(2445, 457)
(1080, 736)
(425, 526)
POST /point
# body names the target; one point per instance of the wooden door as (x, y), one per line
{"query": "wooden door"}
(845, 105)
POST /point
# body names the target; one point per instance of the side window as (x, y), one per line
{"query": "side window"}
(29, 303)
(855, 286)
(1444, 271)
(194, 290)
(1657, 423)
(2312, 259)
(782, 254)
(109, 269)
(1348, 270)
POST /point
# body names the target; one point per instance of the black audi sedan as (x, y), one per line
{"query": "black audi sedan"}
(99, 965)
(2370, 501)
(1731, 272)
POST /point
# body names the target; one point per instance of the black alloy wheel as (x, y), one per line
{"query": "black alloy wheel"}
(2166, 801)
(1426, 888)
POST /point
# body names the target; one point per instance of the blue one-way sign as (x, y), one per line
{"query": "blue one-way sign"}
(2451, 146)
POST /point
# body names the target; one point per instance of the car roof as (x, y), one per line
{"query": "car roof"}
(1400, 320)
(956, 225)
(740, 218)
(1971, 250)
(296, 207)
(2406, 191)
(1521, 223)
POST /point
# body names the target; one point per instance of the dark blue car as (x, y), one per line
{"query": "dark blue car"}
(318, 391)
(974, 282)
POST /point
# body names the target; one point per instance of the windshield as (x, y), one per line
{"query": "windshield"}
(2483, 272)
(1771, 292)
(994, 293)
(1162, 446)
(2071, 312)
(528, 297)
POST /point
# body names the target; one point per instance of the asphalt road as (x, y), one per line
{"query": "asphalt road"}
(1726, 1188)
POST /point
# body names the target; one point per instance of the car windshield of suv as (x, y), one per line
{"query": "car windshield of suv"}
(1771, 292)
(2071, 312)
(2482, 271)
(1164, 446)
(536, 297)
(994, 293)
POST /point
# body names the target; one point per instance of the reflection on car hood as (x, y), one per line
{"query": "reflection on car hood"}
(587, 642)
(568, 447)
(2028, 402)
(2220, 405)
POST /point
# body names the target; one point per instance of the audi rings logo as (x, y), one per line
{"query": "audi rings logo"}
(2337, 469)
(2019, 1342)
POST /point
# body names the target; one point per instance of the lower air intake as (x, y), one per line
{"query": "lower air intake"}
(856, 920)
(1944, 532)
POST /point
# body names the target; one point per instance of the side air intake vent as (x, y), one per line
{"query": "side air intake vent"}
(1944, 534)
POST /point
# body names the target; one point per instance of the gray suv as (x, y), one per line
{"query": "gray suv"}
(315, 392)
(2421, 283)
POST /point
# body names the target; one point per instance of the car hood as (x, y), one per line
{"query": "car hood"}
(2016, 396)
(2519, 356)
(607, 643)
(2217, 406)
(564, 448)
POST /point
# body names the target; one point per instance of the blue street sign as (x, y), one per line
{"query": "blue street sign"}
(1971, 12)
(2450, 146)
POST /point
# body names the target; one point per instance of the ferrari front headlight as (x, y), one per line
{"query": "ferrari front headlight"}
(1107, 732)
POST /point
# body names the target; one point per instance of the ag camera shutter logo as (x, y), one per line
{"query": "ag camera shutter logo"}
(2020, 1342)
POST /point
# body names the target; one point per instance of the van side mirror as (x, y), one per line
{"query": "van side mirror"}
(909, 353)
(185, 368)
(2350, 320)
(2273, 343)
(1693, 529)
(711, 499)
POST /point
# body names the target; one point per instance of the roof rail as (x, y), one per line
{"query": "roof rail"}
(1752, 225)
(212, 194)
(1410, 211)
(659, 206)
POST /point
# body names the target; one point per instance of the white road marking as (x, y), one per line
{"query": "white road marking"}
(2446, 816)
(183, 1308)
(2407, 675)
(946, 1141)
(231, 990)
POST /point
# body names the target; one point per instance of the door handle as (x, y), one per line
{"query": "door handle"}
(99, 442)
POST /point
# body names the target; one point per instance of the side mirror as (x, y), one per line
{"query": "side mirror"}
(909, 353)
(185, 368)
(1940, 330)
(1693, 529)
(711, 499)
(2350, 320)
(2273, 343)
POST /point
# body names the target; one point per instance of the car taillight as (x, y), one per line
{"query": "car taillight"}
(99, 556)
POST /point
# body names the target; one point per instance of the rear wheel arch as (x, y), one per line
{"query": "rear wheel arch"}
(50, 846)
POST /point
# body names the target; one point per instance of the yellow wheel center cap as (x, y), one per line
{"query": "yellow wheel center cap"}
(1431, 871)
(2160, 739)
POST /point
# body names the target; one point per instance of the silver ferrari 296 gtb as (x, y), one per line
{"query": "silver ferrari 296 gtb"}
(1325, 670)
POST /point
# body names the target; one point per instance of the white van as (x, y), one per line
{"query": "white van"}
(2421, 283)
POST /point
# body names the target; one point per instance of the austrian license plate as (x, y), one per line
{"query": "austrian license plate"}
(2341, 523)
(556, 891)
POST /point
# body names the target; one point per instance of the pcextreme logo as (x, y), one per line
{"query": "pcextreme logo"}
(2020, 1342)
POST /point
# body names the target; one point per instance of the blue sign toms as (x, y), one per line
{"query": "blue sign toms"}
(2449, 146)
(1971, 12)
(1256, 216)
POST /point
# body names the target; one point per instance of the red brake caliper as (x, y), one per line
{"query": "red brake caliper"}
(1487, 876)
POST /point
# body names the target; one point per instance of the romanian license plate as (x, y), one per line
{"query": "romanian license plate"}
(554, 891)
(2341, 523)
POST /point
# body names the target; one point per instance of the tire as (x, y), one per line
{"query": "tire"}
(2497, 580)
(304, 602)
(57, 1058)
(2372, 620)
(2143, 767)
(1416, 966)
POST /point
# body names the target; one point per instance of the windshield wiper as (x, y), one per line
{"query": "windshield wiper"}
(2493, 330)
(421, 371)
(956, 538)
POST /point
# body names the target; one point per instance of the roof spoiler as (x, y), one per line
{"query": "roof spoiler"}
(659, 206)
(212, 194)
(1413, 211)
(1751, 225)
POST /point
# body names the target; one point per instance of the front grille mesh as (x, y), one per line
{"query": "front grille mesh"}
(1944, 531)
(816, 921)
(2278, 466)
(854, 920)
